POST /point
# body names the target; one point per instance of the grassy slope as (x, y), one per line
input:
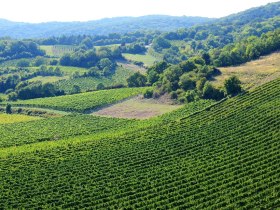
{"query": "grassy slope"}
(47, 79)
(224, 157)
(84, 101)
(253, 73)
(147, 59)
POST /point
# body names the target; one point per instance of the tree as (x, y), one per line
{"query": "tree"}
(9, 109)
(100, 86)
(148, 94)
(39, 60)
(233, 86)
(160, 43)
(23, 63)
(209, 92)
(12, 96)
(137, 80)
(186, 83)
(191, 95)
(76, 89)
(200, 83)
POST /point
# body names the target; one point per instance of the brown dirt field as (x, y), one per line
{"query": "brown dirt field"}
(138, 108)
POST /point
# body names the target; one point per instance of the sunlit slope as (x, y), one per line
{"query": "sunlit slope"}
(225, 157)
(253, 73)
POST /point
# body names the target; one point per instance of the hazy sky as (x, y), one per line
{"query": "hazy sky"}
(83, 10)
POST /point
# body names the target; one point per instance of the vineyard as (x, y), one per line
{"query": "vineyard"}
(223, 157)
(82, 102)
(53, 129)
(57, 50)
(90, 83)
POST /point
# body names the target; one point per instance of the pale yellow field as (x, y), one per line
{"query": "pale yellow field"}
(137, 108)
(14, 118)
(254, 73)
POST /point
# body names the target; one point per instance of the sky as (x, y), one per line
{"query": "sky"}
(36, 11)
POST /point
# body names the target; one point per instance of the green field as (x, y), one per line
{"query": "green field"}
(82, 102)
(13, 63)
(15, 118)
(69, 70)
(90, 83)
(57, 50)
(147, 59)
(223, 157)
(47, 79)
(107, 46)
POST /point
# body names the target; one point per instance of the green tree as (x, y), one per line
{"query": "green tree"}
(186, 83)
(23, 63)
(233, 86)
(209, 92)
(76, 89)
(100, 86)
(137, 80)
(39, 60)
(9, 109)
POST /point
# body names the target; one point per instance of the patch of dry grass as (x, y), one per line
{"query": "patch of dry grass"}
(254, 73)
(137, 108)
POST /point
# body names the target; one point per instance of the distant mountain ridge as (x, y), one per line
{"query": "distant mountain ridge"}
(123, 25)
(98, 27)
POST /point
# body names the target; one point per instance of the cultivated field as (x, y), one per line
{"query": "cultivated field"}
(254, 73)
(82, 102)
(223, 157)
(90, 83)
(57, 50)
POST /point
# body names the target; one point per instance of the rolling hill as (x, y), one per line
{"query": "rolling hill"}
(223, 157)
(98, 27)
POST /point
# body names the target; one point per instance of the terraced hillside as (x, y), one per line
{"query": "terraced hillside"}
(225, 157)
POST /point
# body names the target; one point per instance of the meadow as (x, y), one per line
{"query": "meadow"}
(254, 73)
(147, 59)
(136, 108)
(15, 118)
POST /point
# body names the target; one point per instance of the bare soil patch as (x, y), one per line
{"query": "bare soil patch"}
(138, 108)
